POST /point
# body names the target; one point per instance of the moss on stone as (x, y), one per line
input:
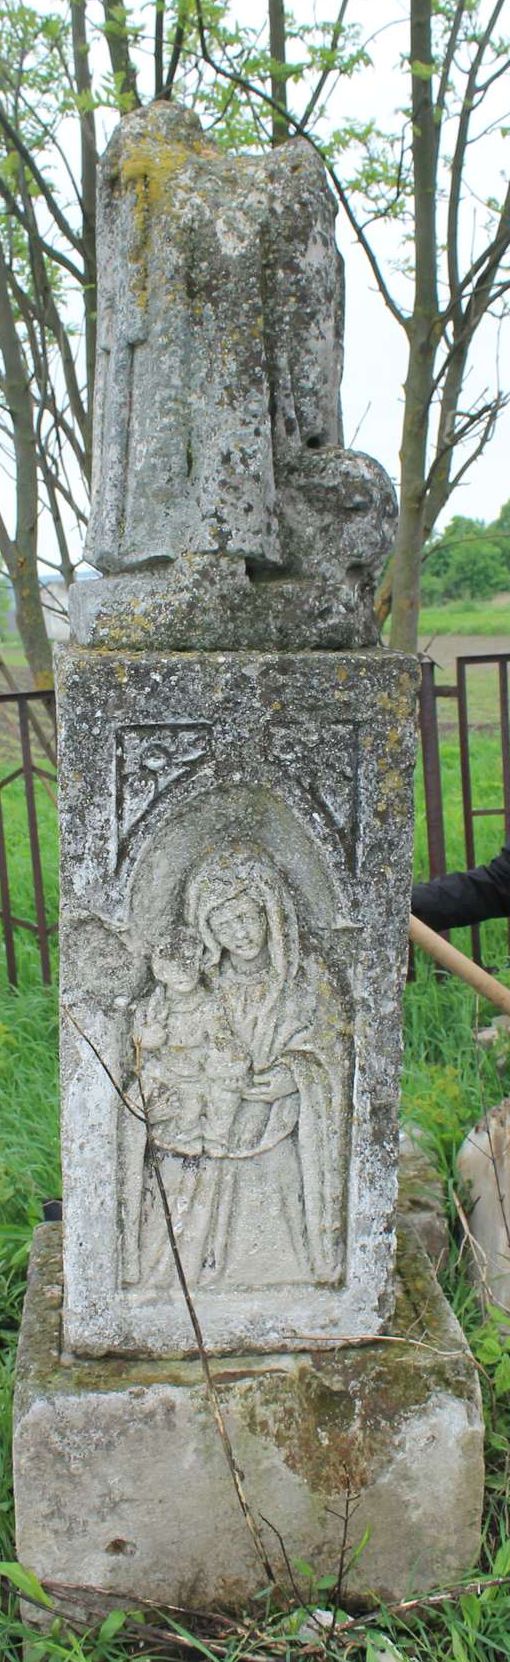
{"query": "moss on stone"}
(331, 1413)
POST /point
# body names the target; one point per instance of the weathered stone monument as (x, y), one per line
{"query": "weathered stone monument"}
(236, 777)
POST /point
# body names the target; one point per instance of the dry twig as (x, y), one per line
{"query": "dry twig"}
(212, 1392)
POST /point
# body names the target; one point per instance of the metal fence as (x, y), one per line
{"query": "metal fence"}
(457, 691)
(27, 720)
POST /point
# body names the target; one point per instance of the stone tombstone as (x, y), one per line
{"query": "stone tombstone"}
(235, 809)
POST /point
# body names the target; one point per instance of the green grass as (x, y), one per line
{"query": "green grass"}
(467, 617)
(12, 652)
(445, 1085)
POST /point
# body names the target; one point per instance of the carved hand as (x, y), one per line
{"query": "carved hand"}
(152, 1036)
(270, 1084)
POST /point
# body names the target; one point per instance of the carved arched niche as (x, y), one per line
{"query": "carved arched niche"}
(244, 1046)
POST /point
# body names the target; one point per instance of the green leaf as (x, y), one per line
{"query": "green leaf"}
(501, 1565)
(300, 1564)
(112, 1624)
(502, 1377)
(326, 1583)
(381, 1649)
(459, 1651)
(360, 1547)
(422, 71)
(197, 1643)
(470, 1606)
(26, 1582)
(488, 1348)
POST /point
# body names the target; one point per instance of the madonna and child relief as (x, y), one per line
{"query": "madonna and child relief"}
(244, 1063)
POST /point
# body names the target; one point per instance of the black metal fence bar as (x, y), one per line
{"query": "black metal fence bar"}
(432, 762)
(28, 770)
(35, 851)
(5, 913)
(505, 738)
(432, 772)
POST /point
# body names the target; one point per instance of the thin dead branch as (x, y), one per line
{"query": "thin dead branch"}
(212, 1392)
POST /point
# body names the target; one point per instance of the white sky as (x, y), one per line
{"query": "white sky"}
(375, 346)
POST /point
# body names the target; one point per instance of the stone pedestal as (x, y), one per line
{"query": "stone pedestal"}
(236, 761)
(191, 783)
(121, 1482)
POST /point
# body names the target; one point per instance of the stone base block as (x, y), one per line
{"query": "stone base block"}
(208, 603)
(121, 1482)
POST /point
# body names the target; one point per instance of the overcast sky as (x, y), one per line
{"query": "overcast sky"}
(375, 346)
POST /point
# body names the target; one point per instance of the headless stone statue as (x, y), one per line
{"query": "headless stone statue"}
(235, 829)
(217, 450)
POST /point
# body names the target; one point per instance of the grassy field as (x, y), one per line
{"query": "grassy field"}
(467, 617)
(445, 1087)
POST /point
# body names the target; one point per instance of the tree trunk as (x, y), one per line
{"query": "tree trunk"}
(277, 47)
(88, 197)
(422, 335)
(30, 622)
(20, 552)
(405, 605)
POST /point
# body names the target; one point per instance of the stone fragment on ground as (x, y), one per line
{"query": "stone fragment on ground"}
(484, 1167)
(421, 1195)
(496, 1037)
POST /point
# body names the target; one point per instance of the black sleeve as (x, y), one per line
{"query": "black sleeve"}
(464, 897)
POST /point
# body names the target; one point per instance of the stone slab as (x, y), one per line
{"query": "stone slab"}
(193, 786)
(121, 1482)
(212, 605)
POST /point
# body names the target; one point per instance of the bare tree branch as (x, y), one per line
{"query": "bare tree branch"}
(257, 92)
(159, 22)
(55, 254)
(457, 164)
(16, 143)
(447, 66)
(277, 47)
(178, 43)
(212, 1392)
(115, 29)
(88, 199)
(323, 79)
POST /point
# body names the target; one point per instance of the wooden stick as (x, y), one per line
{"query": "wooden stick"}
(451, 959)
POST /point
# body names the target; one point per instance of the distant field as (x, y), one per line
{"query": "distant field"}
(467, 617)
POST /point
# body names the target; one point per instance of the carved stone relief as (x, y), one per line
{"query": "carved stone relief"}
(239, 1045)
(149, 760)
(325, 763)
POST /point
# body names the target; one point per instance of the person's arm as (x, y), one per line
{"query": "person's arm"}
(465, 897)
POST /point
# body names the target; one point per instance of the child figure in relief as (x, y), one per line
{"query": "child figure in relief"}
(192, 1069)
(193, 1072)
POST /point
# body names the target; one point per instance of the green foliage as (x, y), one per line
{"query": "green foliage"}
(468, 561)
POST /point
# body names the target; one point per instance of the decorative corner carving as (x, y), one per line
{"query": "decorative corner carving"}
(149, 760)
